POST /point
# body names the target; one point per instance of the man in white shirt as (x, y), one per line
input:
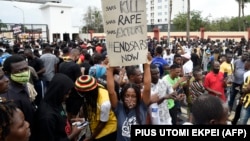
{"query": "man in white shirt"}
(187, 64)
(158, 110)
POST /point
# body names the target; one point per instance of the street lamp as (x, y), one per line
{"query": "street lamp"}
(169, 22)
(23, 17)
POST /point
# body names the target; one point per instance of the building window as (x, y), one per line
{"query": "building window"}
(159, 1)
(152, 21)
(159, 7)
(160, 13)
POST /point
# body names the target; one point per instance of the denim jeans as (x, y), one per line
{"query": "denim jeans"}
(244, 115)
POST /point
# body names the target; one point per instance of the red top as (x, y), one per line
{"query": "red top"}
(98, 49)
(215, 82)
(84, 46)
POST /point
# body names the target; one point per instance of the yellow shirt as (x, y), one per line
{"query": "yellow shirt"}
(111, 125)
(227, 67)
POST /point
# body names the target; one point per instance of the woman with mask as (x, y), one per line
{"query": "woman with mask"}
(215, 82)
(133, 106)
(13, 126)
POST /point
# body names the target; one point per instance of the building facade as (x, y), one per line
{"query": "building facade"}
(157, 12)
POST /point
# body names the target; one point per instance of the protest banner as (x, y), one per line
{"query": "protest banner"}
(125, 25)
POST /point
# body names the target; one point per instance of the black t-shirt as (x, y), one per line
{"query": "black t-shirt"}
(87, 66)
(37, 64)
(71, 69)
(195, 59)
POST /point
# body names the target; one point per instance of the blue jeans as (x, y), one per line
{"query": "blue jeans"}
(244, 115)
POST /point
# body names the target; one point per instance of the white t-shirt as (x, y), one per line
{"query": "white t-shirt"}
(162, 88)
(169, 58)
(188, 67)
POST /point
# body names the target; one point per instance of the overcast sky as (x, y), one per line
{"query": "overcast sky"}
(10, 14)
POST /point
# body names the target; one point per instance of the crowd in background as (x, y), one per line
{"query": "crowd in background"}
(47, 89)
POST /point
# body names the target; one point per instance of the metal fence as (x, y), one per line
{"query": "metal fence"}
(24, 32)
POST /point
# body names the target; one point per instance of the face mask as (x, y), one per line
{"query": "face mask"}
(22, 77)
(216, 70)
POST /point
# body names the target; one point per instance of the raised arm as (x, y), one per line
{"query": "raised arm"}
(147, 81)
(111, 87)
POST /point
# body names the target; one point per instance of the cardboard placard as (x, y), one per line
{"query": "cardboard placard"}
(125, 25)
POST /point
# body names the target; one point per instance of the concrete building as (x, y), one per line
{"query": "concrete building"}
(58, 18)
(157, 11)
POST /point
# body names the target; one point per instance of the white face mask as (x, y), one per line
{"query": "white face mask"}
(130, 103)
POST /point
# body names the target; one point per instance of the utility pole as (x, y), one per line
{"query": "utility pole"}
(169, 22)
(188, 20)
(23, 17)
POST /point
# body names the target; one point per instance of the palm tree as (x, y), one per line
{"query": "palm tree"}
(239, 12)
(171, 7)
(243, 13)
(169, 19)
(241, 6)
(188, 19)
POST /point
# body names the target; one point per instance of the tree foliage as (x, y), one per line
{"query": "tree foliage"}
(197, 21)
(2, 25)
(241, 9)
(93, 20)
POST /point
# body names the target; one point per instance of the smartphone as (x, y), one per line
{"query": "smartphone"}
(83, 124)
(180, 91)
(80, 124)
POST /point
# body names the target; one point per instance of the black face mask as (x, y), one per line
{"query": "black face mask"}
(216, 70)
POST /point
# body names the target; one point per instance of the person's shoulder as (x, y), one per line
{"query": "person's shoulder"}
(164, 77)
(209, 74)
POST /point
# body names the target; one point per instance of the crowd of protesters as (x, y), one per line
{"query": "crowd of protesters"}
(51, 88)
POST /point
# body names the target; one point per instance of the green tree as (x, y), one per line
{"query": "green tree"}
(239, 13)
(241, 6)
(93, 20)
(196, 21)
(243, 12)
(224, 24)
(2, 25)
